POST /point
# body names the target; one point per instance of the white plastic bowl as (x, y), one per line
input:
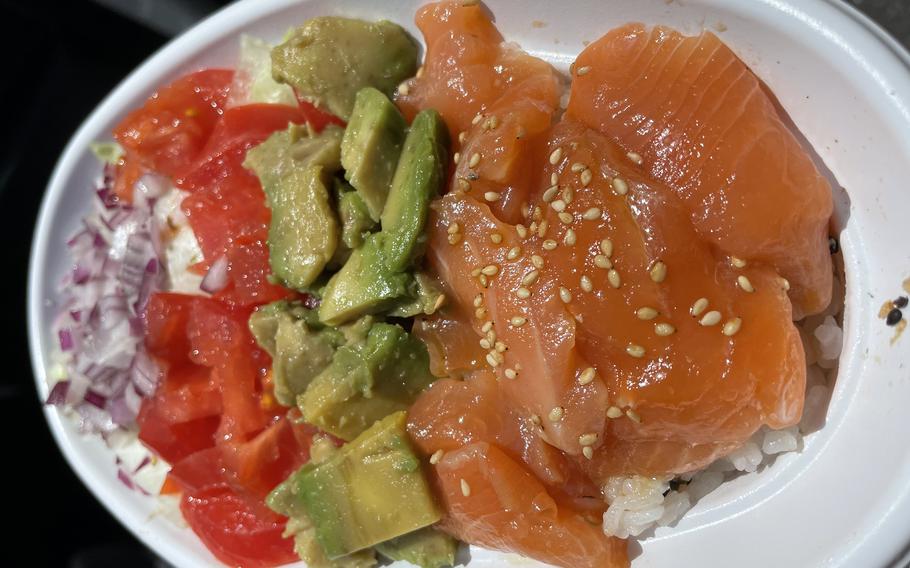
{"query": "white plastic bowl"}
(845, 499)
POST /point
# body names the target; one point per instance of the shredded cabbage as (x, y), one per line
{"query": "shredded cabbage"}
(253, 82)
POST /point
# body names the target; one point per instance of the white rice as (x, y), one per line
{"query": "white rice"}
(639, 504)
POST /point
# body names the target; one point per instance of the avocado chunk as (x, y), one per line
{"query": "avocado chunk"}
(295, 171)
(427, 548)
(364, 285)
(284, 500)
(367, 381)
(371, 147)
(369, 491)
(300, 346)
(424, 298)
(356, 223)
(416, 181)
(329, 59)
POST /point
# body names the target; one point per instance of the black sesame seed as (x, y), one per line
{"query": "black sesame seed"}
(674, 484)
(900, 302)
(894, 316)
(833, 245)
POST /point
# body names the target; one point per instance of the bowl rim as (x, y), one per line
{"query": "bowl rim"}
(232, 14)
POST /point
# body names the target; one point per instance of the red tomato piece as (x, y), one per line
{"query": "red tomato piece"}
(237, 531)
(167, 133)
(166, 318)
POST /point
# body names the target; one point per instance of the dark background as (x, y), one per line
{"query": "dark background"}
(58, 61)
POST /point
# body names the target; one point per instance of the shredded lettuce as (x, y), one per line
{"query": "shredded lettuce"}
(107, 152)
(253, 82)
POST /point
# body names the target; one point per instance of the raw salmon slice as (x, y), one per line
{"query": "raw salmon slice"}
(704, 125)
(493, 502)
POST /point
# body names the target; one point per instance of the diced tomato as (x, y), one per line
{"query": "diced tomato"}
(248, 273)
(128, 171)
(171, 441)
(237, 531)
(165, 322)
(167, 133)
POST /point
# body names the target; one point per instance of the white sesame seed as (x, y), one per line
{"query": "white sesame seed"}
(491, 123)
(537, 261)
(491, 196)
(555, 156)
(578, 167)
(556, 414)
(521, 230)
(463, 184)
(568, 194)
(588, 452)
(510, 373)
(737, 262)
(491, 359)
(785, 283)
(535, 419)
(500, 347)
(745, 283)
(613, 278)
(462, 136)
(437, 455)
(455, 238)
(477, 118)
(699, 306)
(419, 73)
(664, 329)
(566, 218)
(523, 293)
(478, 300)
(636, 351)
(554, 178)
(490, 270)
(530, 277)
(601, 261)
(620, 187)
(484, 281)
(542, 228)
(588, 439)
(549, 244)
(513, 253)
(487, 327)
(518, 321)
(550, 193)
(586, 283)
(570, 238)
(456, 157)
(485, 343)
(732, 326)
(559, 205)
(475, 159)
(480, 313)
(646, 313)
(476, 272)
(591, 214)
(533, 227)
(453, 228)
(496, 238)
(586, 177)
(606, 247)
(633, 416)
(635, 157)
(658, 272)
(465, 488)
(565, 295)
(614, 412)
(587, 376)
(538, 213)
(583, 70)
(403, 89)
(710, 318)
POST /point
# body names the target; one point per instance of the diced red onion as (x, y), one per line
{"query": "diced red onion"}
(124, 478)
(95, 399)
(57, 395)
(145, 461)
(217, 277)
(66, 339)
